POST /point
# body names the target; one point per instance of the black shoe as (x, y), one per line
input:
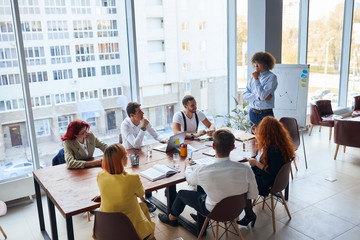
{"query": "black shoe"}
(194, 217)
(165, 219)
(150, 206)
(246, 220)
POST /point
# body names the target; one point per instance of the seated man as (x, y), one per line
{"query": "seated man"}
(222, 179)
(188, 120)
(133, 128)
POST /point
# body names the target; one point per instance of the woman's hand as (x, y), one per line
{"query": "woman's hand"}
(252, 162)
(96, 199)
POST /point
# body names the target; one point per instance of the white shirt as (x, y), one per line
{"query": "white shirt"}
(133, 135)
(190, 122)
(222, 179)
(83, 146)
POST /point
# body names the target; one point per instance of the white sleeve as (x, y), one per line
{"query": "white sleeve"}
(178, 118)
(130, 138)
(253, 189)
(201, 115)
(192, 174)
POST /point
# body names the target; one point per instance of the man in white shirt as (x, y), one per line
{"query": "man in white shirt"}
(219, 180)
(134, 127)
(188, 120)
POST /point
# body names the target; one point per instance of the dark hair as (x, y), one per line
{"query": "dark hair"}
(272, 133)
(186, 99)
(113, 160)
(74, 128)
(264, 58)
(224, 142)
(131, 108)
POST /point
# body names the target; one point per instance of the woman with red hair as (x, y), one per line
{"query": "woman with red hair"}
(80, 144)
(275, 148)
(119, 191)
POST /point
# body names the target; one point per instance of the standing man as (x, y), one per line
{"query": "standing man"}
(133, 128)
(219, 180)
(261, 87)
(188, 120)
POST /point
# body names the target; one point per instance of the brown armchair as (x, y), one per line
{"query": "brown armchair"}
(356, 112)
(346, 133)
(321, 114)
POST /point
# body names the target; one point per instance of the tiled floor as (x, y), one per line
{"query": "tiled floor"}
(320, 209)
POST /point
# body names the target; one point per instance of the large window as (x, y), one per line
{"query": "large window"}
(354, 73)
(67, 51)
(290, 32)
(324, 49)
(241, 45)
(179, 52)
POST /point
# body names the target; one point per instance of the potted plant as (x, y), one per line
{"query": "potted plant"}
(239, 117)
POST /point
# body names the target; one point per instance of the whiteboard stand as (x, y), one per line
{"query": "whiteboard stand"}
(301, 129)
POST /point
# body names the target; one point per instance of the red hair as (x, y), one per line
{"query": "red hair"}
(74, 128)
(272, 133)
(114, 159)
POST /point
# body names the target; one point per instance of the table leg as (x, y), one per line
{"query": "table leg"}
(52, 216)
(69, 228)
(40, 210)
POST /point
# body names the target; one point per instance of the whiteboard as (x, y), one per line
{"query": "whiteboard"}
(292, 91)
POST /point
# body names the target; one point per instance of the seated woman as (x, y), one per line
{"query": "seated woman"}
(275, 148)
(80, 144)
(119, 191)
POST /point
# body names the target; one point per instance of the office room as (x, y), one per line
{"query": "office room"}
(63, 61)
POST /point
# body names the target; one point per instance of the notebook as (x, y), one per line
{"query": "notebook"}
(158, 171)
(174, 143)
(244, 136)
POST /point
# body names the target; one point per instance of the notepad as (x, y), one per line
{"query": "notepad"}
(158, 171)
(244, 136)
(210, 152)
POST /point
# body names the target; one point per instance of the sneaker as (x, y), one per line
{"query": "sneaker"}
(165, 219)
(150, 206)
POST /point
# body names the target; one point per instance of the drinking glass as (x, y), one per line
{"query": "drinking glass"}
(176, 159)
(149, 151)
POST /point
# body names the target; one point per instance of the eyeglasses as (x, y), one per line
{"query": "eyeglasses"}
(84, 132)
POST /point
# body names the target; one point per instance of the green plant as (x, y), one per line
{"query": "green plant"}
(239, 117)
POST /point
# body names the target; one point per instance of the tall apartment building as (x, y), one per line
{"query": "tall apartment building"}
(77, 62)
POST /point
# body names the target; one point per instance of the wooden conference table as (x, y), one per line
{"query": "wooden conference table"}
(71, 190)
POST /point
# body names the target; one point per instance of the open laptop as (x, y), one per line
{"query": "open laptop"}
(174, 143)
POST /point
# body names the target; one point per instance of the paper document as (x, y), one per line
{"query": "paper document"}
(204, 161)
(244, 136)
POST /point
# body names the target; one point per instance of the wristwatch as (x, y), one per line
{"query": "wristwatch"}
(143, 128)
(192, 135)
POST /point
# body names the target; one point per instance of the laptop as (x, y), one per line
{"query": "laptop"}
(174, 143)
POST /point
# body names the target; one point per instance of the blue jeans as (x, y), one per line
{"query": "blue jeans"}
(256, 118)
(193, 199)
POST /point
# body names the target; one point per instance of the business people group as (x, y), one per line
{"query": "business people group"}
(119, 190)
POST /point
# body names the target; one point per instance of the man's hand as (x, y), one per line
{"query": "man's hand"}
(268, 97)
(210, 132)
(256, 75)
(144, 122)
(188, 162)
(200, 133)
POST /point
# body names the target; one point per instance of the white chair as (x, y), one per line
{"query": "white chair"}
(3, 210)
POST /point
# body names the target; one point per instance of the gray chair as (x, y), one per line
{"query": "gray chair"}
(280, 183)
(227, 210)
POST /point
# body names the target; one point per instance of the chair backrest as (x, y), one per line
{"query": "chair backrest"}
(113, 226)
(324, 107)
(346, 132)
(357, 103)
(120, 139)
(229, 208)
(291, 125)
(59, 158)
(315, 117)
(282, 179)
(3, 208)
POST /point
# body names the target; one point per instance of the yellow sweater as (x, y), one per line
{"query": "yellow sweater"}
(119, 193)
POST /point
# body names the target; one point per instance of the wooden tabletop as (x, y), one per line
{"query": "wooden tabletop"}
(71, 190)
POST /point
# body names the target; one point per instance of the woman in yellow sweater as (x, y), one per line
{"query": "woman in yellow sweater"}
(119, 191)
